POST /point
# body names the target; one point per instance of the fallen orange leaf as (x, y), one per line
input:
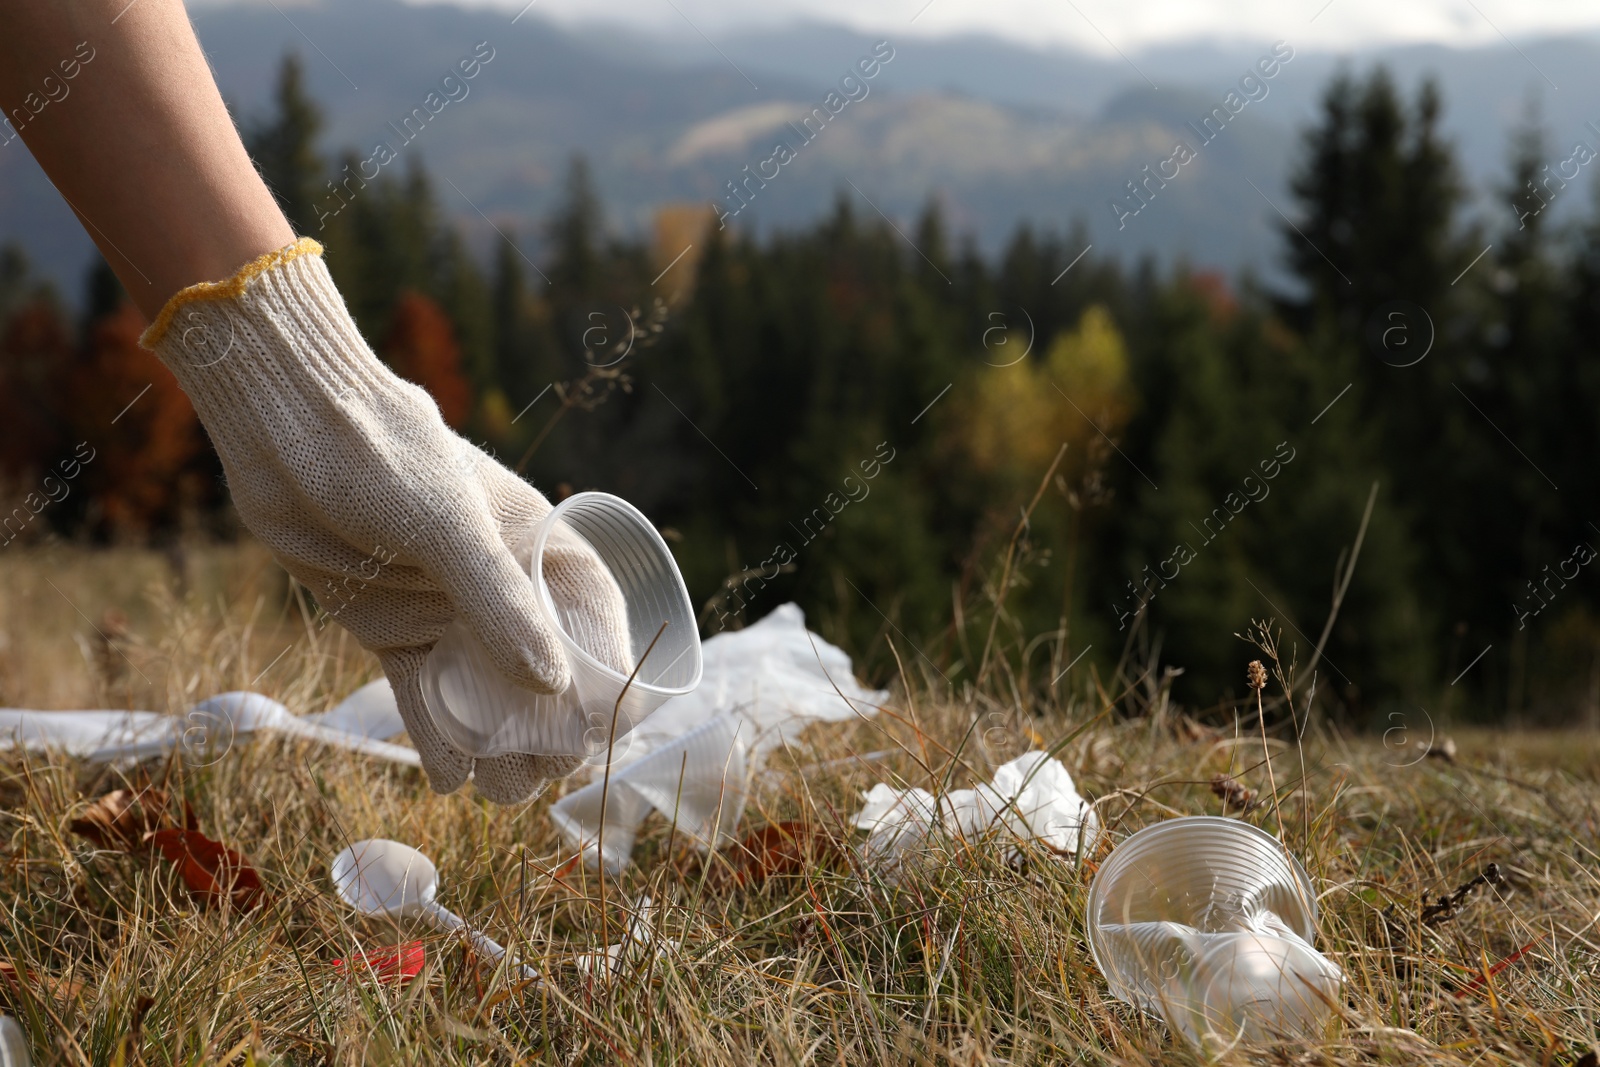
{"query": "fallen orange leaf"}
(782, 848)
(122, 818)
(209, 868)
(61, 988)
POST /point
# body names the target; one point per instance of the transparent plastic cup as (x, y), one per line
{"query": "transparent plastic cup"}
(483, 714)
(1209, 923)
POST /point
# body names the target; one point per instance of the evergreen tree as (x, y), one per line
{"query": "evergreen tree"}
(284, 148)
(1378, 192)
(1376, 248)
(576, 233)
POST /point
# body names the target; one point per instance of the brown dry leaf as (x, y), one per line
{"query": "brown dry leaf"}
(36, 983)
(123, 818)
(782, 848)
(1233, 793)
(209, 868)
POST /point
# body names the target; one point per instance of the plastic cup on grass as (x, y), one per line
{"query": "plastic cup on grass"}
(1209, 923)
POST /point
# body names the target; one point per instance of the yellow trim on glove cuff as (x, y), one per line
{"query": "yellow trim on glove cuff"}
(233, 287)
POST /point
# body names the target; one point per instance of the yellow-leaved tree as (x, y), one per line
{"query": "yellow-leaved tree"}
(1020, 413)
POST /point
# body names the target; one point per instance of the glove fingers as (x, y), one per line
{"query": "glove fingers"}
(585, 593)
(519, 776)
(515, 504)
(589, 599)
(491, 593)
(447, 767)
(496, 599)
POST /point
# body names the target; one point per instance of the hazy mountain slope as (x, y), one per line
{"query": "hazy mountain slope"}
(1000, 134)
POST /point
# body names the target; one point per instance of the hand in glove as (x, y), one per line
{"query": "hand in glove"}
(395, 523)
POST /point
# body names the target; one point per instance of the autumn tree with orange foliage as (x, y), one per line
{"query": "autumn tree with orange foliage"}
(35, 355)
(421, 347)
(145, 434)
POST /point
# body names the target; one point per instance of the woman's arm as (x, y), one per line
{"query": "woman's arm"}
(136, 139)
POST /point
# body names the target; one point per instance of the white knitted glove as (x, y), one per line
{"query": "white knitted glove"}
(395, 523)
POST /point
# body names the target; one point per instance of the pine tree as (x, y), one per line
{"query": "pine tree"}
(576, 232)
(284, 148)
(1376, 248)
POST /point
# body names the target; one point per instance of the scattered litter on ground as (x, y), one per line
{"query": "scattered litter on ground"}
(637, 947)
(393, 966)
(13, 1044)
(697, 781)
(380, 878)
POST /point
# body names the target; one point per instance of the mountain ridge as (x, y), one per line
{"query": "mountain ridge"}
(998, 134)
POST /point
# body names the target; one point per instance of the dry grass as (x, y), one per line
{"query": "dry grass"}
(969, 960)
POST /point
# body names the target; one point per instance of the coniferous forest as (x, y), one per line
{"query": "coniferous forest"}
(935, 452)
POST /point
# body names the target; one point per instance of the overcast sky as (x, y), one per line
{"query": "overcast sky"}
(1129, 25)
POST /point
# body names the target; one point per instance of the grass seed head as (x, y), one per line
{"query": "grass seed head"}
(1256, 675)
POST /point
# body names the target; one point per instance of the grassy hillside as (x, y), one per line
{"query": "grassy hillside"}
(968, 960)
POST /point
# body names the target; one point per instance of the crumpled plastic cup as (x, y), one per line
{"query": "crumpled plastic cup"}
(483, 714)
(1209, 923)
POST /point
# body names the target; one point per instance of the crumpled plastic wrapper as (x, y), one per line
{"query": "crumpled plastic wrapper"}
(1032, 798)
(692, 760)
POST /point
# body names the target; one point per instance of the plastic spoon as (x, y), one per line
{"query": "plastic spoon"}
(378, 877)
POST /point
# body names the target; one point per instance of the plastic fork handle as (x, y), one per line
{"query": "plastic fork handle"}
(481, 943)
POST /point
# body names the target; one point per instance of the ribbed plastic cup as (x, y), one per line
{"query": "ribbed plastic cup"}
(484, 714)
(1209, 922)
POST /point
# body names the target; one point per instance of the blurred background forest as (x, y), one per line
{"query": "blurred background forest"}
(741, 389)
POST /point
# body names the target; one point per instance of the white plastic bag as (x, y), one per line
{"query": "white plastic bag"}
(692, 759)
(697, 781)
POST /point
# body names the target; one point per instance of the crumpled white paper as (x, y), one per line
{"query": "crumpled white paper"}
(1032, 797)
(206, 730)
(691, 760)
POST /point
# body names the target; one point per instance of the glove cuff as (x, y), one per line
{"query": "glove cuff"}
(233, 287)
(312, 428)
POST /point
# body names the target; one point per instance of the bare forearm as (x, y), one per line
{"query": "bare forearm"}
(137, 140)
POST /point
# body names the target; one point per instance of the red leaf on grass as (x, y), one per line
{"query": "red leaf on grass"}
(782, 848)
(123, 817)
(1479, 979)
(209, 868)
(398, 965)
